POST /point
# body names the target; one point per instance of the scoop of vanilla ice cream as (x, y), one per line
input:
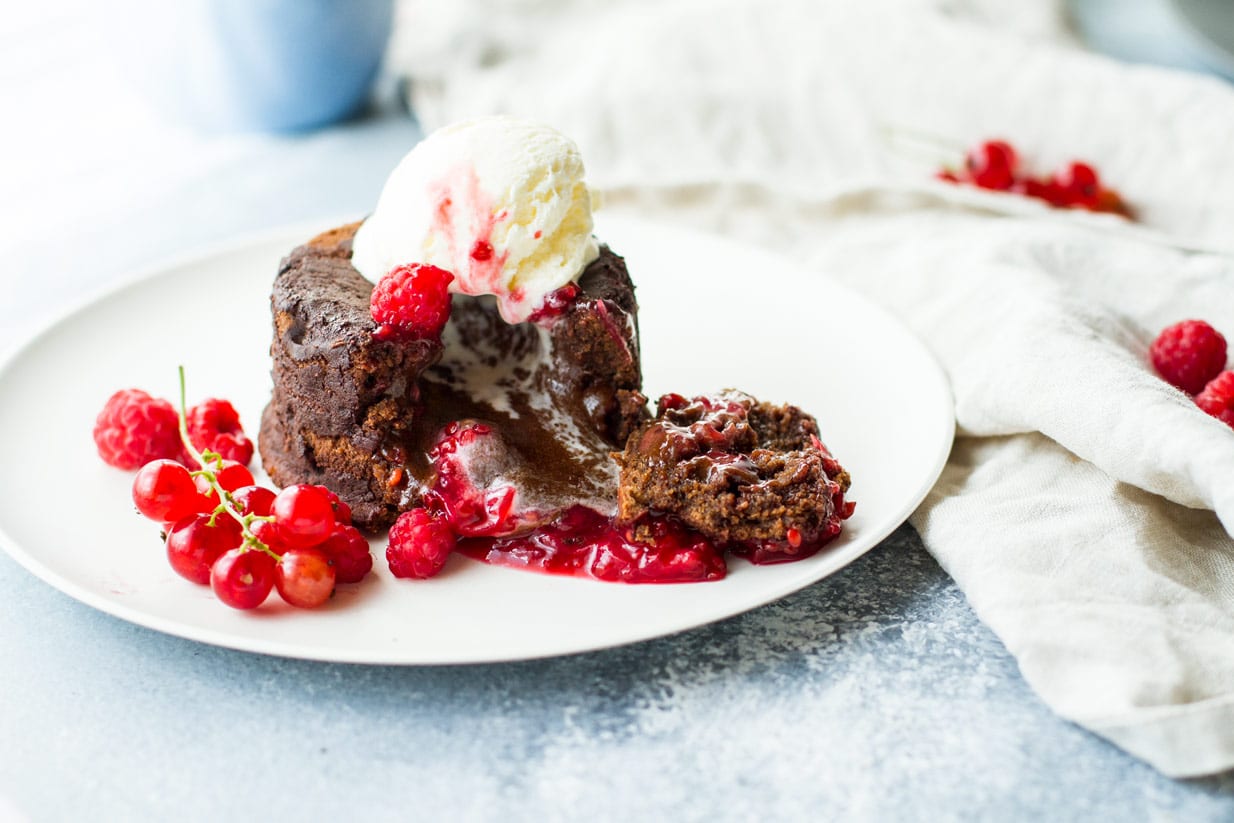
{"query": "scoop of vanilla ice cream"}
(499, 202)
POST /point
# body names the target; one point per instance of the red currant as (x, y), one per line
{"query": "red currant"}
(268, 532)
(163, 490)
(304, 515)
(193, 544)
(230, 477)
(342, 512)
(1046, 190)
(1080, 184)
(304, 578)
(233, 475)
(242, 578)
(256, 500)
(992, 165)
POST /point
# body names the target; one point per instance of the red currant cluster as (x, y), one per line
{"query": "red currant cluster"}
(994, 165)
(244, 540)
(1191, 356)
(222, 529)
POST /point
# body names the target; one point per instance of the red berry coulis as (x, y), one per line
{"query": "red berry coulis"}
(584, 543)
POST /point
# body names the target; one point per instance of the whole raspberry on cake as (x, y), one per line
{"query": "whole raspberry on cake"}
(521, 424)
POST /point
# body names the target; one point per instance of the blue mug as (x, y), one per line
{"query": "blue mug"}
(266, 65)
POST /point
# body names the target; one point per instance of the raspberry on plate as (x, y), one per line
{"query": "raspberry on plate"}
(412, 302)
(348, 552)
(420, 544)
(1217, 398)
(134, 428)
(214, 424)
(1188, 354)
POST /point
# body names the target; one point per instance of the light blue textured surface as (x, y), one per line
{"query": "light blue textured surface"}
(875, 694)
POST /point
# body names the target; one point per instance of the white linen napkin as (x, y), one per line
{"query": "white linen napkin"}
(1082, 508)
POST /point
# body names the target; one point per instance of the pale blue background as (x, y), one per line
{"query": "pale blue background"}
(240, 65)
(873, 695)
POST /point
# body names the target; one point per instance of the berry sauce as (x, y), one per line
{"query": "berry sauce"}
(584, 543)
(509, 511)
(460, 202)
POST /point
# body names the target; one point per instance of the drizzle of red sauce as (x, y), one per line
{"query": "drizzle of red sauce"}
(444, 203)
(584, 543)
(481, 251)
(556, 303)
(460, 201)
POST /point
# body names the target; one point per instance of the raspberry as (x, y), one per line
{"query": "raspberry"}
(134, 428)
(420, 544)
(1217, 398)
(412, 302)
(1188, 354)
(347, 551)
(215, 425)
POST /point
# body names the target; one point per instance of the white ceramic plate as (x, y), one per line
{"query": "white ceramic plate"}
(714, 314)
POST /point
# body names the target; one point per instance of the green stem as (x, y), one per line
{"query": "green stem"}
(184, 424)
(227, 503)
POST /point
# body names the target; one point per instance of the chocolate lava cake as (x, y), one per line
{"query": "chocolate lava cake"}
(359, 414)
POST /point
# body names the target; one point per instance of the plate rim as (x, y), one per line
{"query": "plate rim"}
(283, 234)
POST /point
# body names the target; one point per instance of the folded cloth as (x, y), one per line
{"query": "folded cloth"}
(1082, 509)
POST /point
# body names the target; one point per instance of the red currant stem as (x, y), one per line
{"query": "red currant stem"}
(184, 424)
(227, 502)
(254, 544)
(212, 478)
(251, 540)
